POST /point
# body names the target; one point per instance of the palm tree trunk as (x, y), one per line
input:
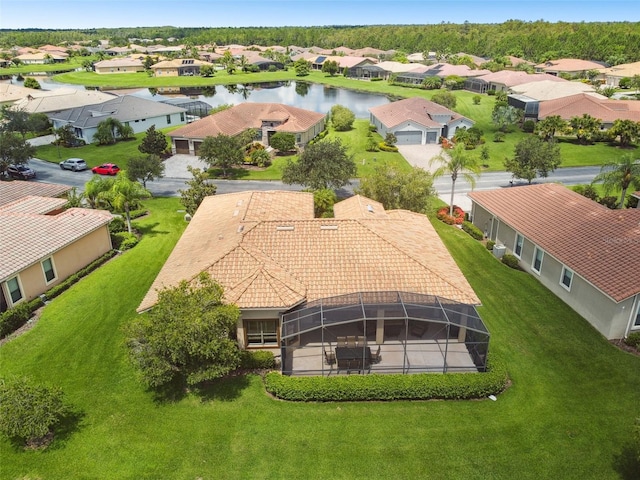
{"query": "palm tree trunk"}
(128, 217)
(453, 188)
(622, 197)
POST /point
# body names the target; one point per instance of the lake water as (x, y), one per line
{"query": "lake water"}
(309, 96)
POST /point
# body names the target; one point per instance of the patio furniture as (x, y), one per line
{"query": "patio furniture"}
(351, 341)
(419, 329)
(329, 357)
(341, 341)
(353, 359)
(375, 356)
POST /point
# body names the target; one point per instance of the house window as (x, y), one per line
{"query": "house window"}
(262, 332)
(15, 293)
(538, 254)
(168, 119)
(47, 268)
(182, 116)
(566, 278)
(518, 246)
(636, 323)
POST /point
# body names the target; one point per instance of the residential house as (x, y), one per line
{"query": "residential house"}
(42, 244)
(585, 253)
(266, 118)
(505, 80)
(138, 113)
(440, 70)
(612, 75)
(49, 101)
(41, 58)
(416, 121)
(119, 65)
(547, 89)
(574, 67)
(604, 109)
(179, 67)
(301, 281)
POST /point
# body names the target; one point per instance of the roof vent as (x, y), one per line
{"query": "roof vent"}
(235, 212)
(370, 208)
(285, 228)
(240, 228)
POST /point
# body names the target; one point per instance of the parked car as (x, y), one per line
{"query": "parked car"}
(74, 164)
(21, 172)
(106, 169)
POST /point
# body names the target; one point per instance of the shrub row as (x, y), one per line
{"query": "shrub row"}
(16, 317)
(633, 340)
(257, 360)
(472, 230)
(511, 261)
(387, 148)
(419, 386)
(123, 241)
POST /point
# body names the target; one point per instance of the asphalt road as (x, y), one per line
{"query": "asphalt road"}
(167, 187)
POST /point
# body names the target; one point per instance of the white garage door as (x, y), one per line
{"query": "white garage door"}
(409, 138)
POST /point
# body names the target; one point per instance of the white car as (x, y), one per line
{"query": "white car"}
(73, 164)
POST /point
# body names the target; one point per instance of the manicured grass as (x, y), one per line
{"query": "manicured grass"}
(568, 413)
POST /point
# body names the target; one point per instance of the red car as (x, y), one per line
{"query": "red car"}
(106, 169)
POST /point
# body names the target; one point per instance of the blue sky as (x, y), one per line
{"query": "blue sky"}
(78, 14)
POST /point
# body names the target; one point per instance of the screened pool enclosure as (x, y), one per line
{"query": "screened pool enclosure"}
(383, 332)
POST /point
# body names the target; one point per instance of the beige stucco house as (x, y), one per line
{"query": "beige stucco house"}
(266, 118)
(586, 254)
(119, 65)
(302, 282)
(41, 243)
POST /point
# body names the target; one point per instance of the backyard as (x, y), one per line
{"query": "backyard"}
(568, 412)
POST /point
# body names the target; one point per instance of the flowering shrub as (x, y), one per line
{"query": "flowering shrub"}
(456, 219)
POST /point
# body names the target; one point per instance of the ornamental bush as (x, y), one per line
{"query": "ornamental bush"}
(456, 219)
(633, 340)
(387, 148)
(257, 360)
(372, 387)
(490, 244)
(511, 261)
(472, 230)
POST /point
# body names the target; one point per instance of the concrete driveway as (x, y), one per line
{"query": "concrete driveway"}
(176, 166)
(420, 155)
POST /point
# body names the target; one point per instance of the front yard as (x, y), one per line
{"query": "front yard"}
(567, 414)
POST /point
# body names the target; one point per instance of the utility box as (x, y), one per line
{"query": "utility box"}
(499, 251)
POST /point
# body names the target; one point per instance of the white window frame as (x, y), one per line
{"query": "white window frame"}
(515, 246)
(53, 269)
(533, 262)
(20, 289)
(562, 275)
(636, 321)
(262, 334)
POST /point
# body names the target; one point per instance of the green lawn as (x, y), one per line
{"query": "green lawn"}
(567, 415)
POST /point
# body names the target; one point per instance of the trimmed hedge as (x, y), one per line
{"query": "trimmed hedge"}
(490, 244)
(16, 317)
(257, 359)
(384, 387)
(633, 340)
(511, 261)
(387, 148)
(124, 241)
(472, 230)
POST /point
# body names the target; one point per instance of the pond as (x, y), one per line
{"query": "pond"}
(309, 96)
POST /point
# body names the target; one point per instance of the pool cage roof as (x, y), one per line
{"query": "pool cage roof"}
(411, 321)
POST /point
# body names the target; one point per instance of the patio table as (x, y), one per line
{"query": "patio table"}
(353, 358)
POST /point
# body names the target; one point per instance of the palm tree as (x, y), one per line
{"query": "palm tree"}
(456, 161)
(614, 175)
(125, 195)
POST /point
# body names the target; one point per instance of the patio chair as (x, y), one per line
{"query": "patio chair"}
(375, 356)
(341, 341)
(329, 357)
(351, 341)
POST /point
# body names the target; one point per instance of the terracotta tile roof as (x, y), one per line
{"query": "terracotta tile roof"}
(512, 78)
(600, 245)
(568, 65)
(604, 109)
(34, 204)
(268, 262)
(443, 70)
(549, 89)
(26, 238)
(625, 70)
(414, 109)
(247, 115)
(17, 189)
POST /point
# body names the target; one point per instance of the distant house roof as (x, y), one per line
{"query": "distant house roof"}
(119, 62)
(603, 109)
(17, 189)
(247, 115)
(625, 70)
(415, 109)
(178, 62)
(124, 108)
(268, 251)
(599, 244)
(548, 89)
(512, 78)
(48, 101)
(446, 69)
(568, 65)
(397, 67)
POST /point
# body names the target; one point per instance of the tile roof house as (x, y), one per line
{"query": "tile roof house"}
(570, 66)
(119, 65)
(417, 121)
(41, 243)
(504, 80)
(138, 113)
(585, 253)
(546, 89)
(613, 75)
(604, 109)
(267, 118)
(271, 255)
(48, 101)
(178, 67)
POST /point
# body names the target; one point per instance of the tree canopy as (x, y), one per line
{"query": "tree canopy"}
(324, 164)
(342, 118)
(221, 151)
(198, 189)
(533, 157)
(154, 142)
(621, 175)
(145, 168)
(14, 149)
(396, 189)
(188, 336)
(456, 161)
